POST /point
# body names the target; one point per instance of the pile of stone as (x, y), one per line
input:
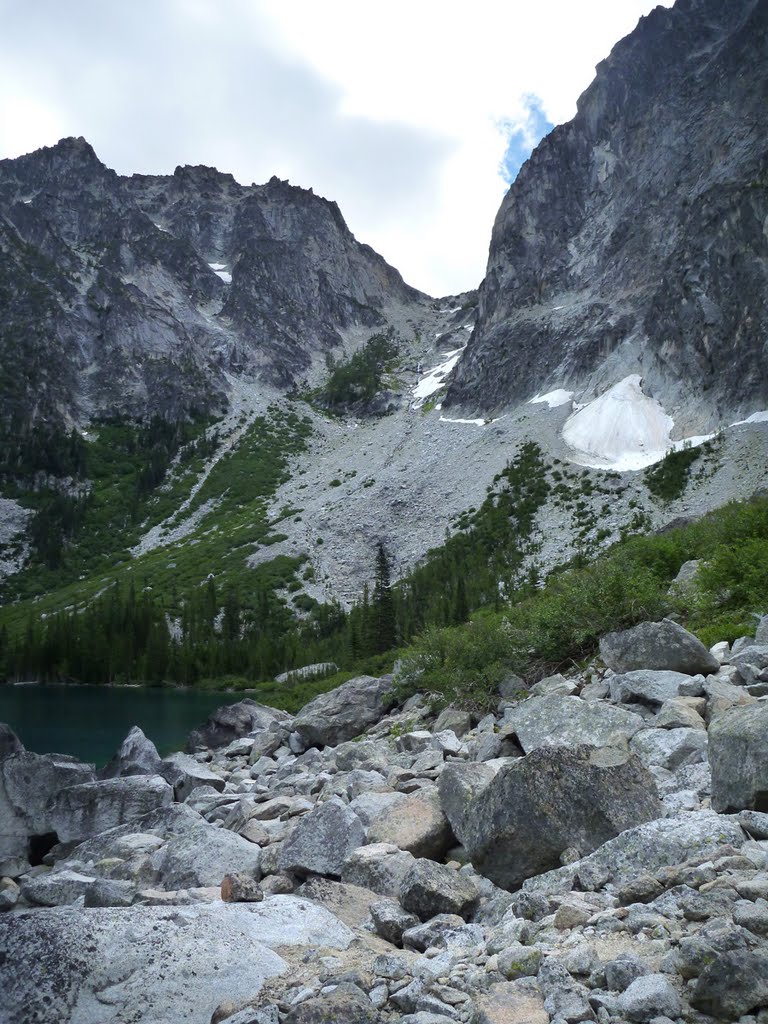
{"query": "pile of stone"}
(596, 851)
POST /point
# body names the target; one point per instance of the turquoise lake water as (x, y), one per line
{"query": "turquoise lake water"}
(91, 721)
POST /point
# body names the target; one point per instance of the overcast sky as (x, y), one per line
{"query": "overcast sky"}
(413, 115)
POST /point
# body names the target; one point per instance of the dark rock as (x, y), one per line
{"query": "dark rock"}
(232, 721)
(345, 712)
(664, 646)
(738, 757)
(733, 985)
(430, 889)
(240, 888)
(390, 920)
(346, 1003)
(552, 799)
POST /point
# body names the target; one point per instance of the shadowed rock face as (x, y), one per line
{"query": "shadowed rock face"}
(633, 239)
(110, 302)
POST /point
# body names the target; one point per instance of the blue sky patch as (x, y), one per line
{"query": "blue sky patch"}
(523, 137)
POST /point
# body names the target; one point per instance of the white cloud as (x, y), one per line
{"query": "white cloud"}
(400, 111)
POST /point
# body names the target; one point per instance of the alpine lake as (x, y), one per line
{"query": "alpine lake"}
(90, 722)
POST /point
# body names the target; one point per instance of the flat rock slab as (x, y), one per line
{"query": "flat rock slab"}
(561, 721)
(150, 965)
(642, 850)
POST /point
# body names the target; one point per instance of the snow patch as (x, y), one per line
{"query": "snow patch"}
(475, 423)
(553, 398)
(622, 429)
(220, 271)
(756, 417)
(435, 379)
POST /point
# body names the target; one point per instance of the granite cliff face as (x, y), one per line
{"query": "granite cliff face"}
(138, 295)
(635, 239)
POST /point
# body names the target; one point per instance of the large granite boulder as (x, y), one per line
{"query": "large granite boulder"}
(459, 784)
(151, 965)
(553, 799)
(29, 783)
(343, 713)
(661, 645)
(91, 807)
(652, 687)
(232, 721)
(136, 755)
(738, 757)
(323, 840)
(561, 721)
(416, 824)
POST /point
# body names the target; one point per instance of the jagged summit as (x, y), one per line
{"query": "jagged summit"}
(633, 239)
(149, 289)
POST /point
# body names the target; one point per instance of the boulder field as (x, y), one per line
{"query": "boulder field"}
(595, 851)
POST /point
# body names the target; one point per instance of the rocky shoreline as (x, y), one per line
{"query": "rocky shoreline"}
(594, 850)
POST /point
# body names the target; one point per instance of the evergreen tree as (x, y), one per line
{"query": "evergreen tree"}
(382, 605)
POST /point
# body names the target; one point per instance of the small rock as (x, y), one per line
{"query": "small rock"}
(238, 888)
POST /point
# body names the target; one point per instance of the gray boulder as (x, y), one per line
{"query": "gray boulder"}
(652, 995)
(322, 840)
(459, 784)
(232, 721)
(346, 1003)
(430, 889)
(70, 964)
(9, 742)
(136, 755)
(416, 824)
(379, 867)
(732, 985)
(651, 687)
(550, 800)
(738, 756)
(198, 854)
(670, 748)
(643, 850)
(345, 712)
(564, 721)
(186, 774)
(390, 920)
(60, 888)
(81, 811)
(752, 664)
(661, 645)
(29, 784)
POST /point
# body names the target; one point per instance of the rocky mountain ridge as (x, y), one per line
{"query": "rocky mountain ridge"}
(136, 296)
(633, 240)
(595, 849)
